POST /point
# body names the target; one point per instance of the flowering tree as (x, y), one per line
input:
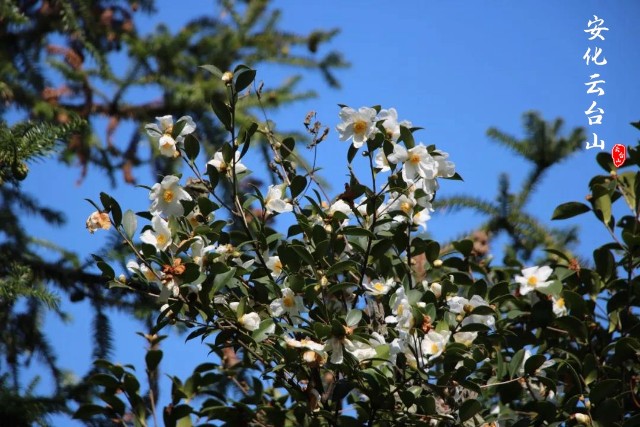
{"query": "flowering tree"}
(351, 316)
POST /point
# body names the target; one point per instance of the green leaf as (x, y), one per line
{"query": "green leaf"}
(533, 363)
(105, 380)
(191, 147)
(571, 324)
(222, 280)
(346, 265)
(464, 247)
(469, 408)
(130, 223)
(407, 137)
(298, 184)
(569, 210)
(602, 203)
(287, 147)
(516, 364)
(351, 153)
(353, 317)
(86, 412)
(432, 251)
(222, 112)
(605, 161)
(213, 70)
(116, 213)
(153, 358)
(214, 175)
(262, 333)
(206, 206)
(243, 77)
(352, 230)
(603, 389)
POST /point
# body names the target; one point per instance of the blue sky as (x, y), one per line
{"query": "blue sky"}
(454, 68)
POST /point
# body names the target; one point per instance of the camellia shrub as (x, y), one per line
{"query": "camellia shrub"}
(349, 315)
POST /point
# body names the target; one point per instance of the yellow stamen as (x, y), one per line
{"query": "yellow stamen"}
(378, 286)
(560, 302)
(532, 281)
(288, 301)
(167, 196)
(405, 207)
(161, 239)
(434, 348)
(414, 158)
(359, 127)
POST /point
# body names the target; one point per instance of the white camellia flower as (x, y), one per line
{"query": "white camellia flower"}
(275, 200)
(403, 203)
(336, 346)
(224, 167)
(304, 343)
(559, 307)
(166, 196)
(435, 288)
(534, 278)
(149, 274)
(250, 321)
(464, 307)
(420, 218)
(465, 338)
(290, 304)
(163, 132)
(361, 351)
(418, 163)
(340, 206)
(390, 123)
(401, 309)
(275, 265)
(160, 236)
(433, 343)
(357, 125)
(446, 168)
(378, 286)
(381, 162)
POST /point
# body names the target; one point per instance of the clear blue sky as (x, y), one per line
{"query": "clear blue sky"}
(454, 68)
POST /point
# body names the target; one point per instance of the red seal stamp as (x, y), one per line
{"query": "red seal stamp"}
(618, 154)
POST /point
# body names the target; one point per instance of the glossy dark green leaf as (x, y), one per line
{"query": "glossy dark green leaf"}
(287, 147)
(569, 210)
(351, 153)
(469, 408)
(407, 137)
(600, 390)
(214, 175)
(516, 363)
(212, 69)
(191, 147)
(533, 363)
(432, 251)
(464, 247)
(298, 184)
(86, 412)
(243, 77)
(222, 112)
(575, 327)
(153, 358)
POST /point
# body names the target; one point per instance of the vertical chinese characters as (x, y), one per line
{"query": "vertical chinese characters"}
(595, 57)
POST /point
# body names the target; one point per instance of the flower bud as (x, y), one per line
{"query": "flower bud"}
(227, 77)
(437, 263)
